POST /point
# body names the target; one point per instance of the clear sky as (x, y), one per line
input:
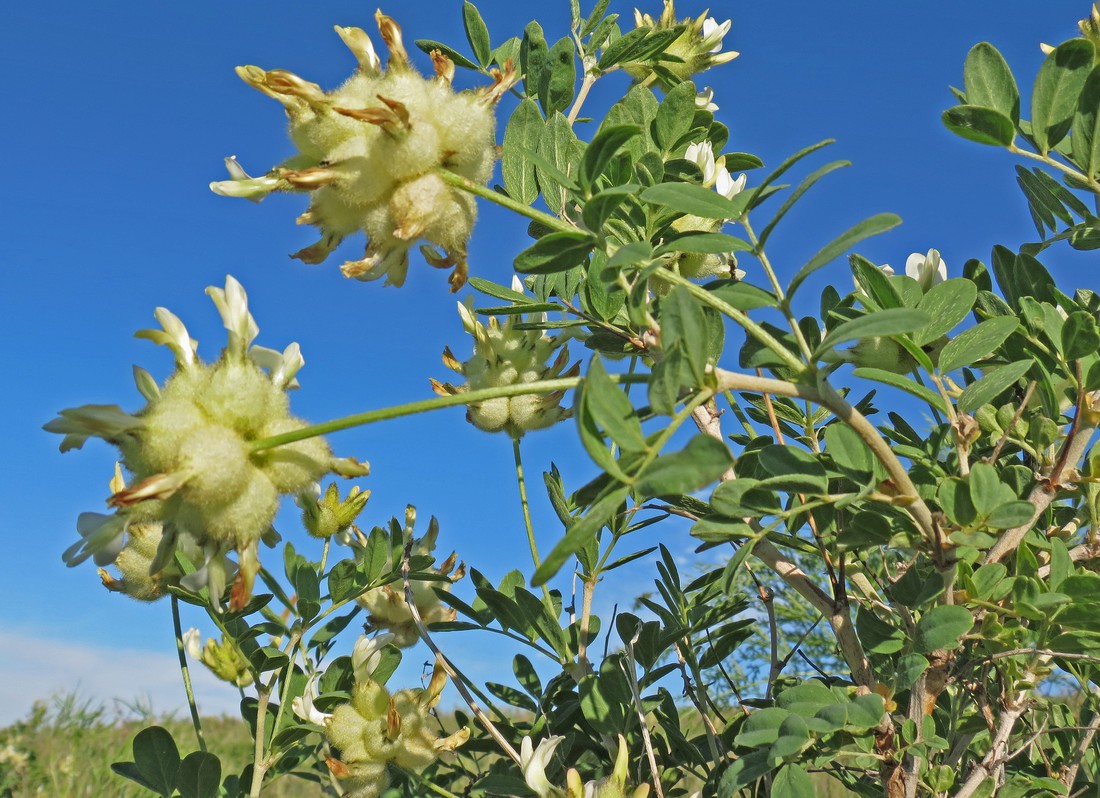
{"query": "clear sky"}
(118, 115)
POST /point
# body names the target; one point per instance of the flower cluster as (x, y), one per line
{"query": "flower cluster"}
(223, 658)
(387, 605)
(928, 270)
(378, 727)
(695, 50)
(199, 488)
(533, 762)
(370, 155)
(716, 176)
(504, 355)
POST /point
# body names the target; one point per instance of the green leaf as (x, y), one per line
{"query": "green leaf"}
(699, 463)
(988, 81)
(743, 498)
(1086, 127)
(983, 125)
(157, 759)
(555, 164)
(787, 163)
(594, 18)
(602, 149)
(793, 782)
(533, 53)
(1080, 335)
(1011, 515)
(476, 32)
(986, 489)
(704, 243)
(1057, 89)
(1061, 564)
(743, 296)
(557, 89)
(692, 199)
(683, 322)
(521, 137)
(848, 450)
(599, 208)
(675, 115)
(877, 324)
(793, 469)
(976, 343)
(992, 385)
(941, 628)
(610, 408)
(200, 775)
(903, 383)
(875, 283)
(946, 304)
(580, 534)
(879, 223)
(556, 252)
(806, 184)
(427, 45)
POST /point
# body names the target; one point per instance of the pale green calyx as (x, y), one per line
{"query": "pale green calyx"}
(196, 486)
(504, 355)
(369, 152)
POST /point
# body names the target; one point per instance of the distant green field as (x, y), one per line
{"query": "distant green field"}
(64, 749)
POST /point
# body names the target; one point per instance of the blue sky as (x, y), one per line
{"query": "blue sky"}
(119, 115)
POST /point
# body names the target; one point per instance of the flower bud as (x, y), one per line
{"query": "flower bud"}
(695, 50)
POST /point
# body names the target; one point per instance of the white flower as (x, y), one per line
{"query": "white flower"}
(887, 269)
(702, 155)
(191, 643)
(928, 270)
(713, 33)
(241, 184)
(533, 762)
(101, 537)
(303, 705)
(726, 185)
(366, 654)
(704, 100)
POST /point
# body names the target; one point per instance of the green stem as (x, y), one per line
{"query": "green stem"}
(521, 481)
(186, 675)
(1094, 186)
(726, 309)
(424, 405)
(486, 193)
(412, 408)
(773, 278)
(430, 786)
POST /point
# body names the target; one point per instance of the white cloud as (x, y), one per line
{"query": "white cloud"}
(38, 668)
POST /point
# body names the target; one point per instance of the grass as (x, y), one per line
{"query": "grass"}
(65, 749)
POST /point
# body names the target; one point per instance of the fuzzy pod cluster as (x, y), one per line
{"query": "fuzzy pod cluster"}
(377, 727)
(505, 356)
(381, 155)
(197, 484)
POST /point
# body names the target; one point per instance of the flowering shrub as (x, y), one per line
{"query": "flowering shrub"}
(939, 578)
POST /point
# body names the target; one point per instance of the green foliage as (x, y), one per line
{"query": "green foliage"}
(899, 603)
